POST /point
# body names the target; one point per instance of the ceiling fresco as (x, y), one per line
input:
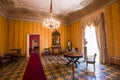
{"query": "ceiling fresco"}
(66, 11)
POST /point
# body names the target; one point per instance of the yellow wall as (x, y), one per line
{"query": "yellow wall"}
(113, 28)
(19, 29)
(14, 35)
(75, 34)
(3, 35)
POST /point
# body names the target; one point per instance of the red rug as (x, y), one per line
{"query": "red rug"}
(34, 70)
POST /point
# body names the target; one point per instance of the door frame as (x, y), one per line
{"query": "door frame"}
(28, 40)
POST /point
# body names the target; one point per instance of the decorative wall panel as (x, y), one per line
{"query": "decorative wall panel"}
(3, 35)
(75, 34)
(113, 30)
(18, 31)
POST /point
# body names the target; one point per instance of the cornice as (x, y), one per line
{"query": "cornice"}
(29, 15)
(30, 18)
(27, 18)
(95, 10)
(3, 10)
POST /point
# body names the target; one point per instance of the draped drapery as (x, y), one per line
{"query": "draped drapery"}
(84, 49)
(99, 23)
(101, 39)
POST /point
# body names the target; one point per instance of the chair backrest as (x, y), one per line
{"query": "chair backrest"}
(92, 58)
(95, 56)
(85, 53)
(47, 51)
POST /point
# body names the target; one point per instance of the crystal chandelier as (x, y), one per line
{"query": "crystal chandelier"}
(51, 23)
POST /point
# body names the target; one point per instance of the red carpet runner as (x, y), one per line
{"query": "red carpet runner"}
(34, 70)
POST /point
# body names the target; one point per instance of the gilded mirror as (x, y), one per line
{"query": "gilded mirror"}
(55, 38)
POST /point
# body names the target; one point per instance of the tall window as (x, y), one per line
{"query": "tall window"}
(91, 41)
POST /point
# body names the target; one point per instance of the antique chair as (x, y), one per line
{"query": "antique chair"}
(47, 51)
(91, 60)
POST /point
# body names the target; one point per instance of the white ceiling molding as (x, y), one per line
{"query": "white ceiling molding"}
(3, 10)
(66, 11)
(59, 6)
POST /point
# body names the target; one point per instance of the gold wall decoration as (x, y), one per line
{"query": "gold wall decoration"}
(3, 35)
(75, 34)
(19, 29)
(113, 28)
(13, 33)
(113, 31)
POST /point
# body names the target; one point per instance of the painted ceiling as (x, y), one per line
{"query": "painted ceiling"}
(65, 11)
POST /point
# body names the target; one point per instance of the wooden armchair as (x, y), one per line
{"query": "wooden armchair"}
(91, 60)
(47, 51)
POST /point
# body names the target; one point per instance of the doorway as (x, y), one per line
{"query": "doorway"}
(34, 43)
(91, 45)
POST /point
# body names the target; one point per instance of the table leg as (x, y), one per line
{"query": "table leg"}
(50, 59)
(57, 60)
(73, 68)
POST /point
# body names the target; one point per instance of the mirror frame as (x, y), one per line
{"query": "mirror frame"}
(55, 38)
(69, 45)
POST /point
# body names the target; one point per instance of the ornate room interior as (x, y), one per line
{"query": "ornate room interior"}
(65, 25)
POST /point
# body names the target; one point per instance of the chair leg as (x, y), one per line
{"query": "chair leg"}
(94, 67)
(86, 65)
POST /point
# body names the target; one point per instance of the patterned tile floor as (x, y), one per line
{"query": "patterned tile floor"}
(56, 69)
(13, 70)
(59, 71)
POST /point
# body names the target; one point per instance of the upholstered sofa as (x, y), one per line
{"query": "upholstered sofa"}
(4, 59)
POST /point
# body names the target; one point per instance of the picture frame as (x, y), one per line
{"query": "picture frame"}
(69, 45)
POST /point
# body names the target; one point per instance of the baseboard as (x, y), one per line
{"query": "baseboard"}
(115, 60)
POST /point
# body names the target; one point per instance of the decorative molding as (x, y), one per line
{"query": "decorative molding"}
(30, 20)
(3, 10)
(88, 10)
(25, 18)
(9, 10)
(115, 60)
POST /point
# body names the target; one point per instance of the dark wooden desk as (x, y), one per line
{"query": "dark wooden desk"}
(73, 55)
(12, 55)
